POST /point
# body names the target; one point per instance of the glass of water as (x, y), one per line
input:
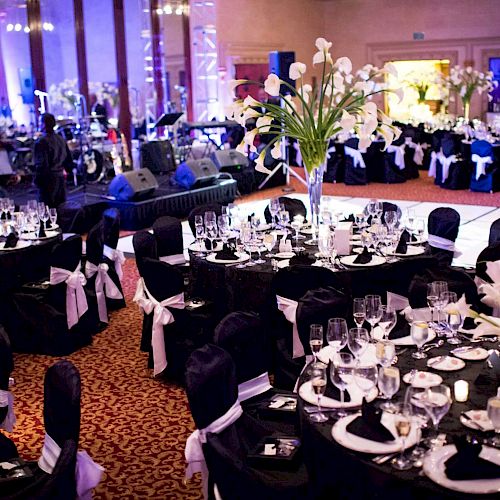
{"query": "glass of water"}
(493, 410)
(419, 335)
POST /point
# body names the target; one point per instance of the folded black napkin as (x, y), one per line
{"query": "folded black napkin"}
(303, 259)
(402, 329)
(227, 253)
(469, 324)
(208, 244)
(48, 224)
(3, 216)
(41, 231)
(403, 242)
(368, 424)
(9, 215)
(11, 240)
(331, 390)
(466, 463)
(349, 218)
(490, 374)
(364, 257)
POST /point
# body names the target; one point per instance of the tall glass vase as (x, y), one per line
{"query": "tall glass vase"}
(314, 189)
(466, 110)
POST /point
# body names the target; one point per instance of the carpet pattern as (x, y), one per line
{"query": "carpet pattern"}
(131, 424)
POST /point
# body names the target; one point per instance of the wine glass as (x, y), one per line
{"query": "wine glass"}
(248, 242)
(454, 319)
(315, 339)
(269, 242)
(440, 287)
(388, 384)
(296, 226)
(385, 352)
(379, 209)
(420, 228)
(336, 333)
(211, 232)
(357, 341)
(300, 218)
(410, 220)
(403, 424)
(318, 382)
(245, 237)
(420, 418)
(437, 402)
(325, 244)
(371, 208)
(391, 219)
(387, 320)
(493, 409)
(432, 299)
(360, 220)
(341, 373)
(209, 217)
(200, 236)
(365, 376)
(373, 310)
(359, 311)
(274, 208)
(53, 216)
(284, 218)
(419, 334)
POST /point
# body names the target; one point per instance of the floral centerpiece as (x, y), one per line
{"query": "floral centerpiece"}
(312, 116)
(466, 81)
(420, 83)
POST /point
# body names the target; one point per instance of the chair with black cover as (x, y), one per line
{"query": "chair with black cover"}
(451, 170)
(226, 436)
(292, 206)
(395, 162)
(172, 335)
(200, 210)
(145, 246)
(489, 254)
(113, 257)
(486, 167)
(168, 234)
(355, 167)
(414, 152)
(442, 225)
(243, 336)
(335, 164)
(494, 232)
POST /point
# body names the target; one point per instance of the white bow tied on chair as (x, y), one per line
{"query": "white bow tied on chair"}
(289, 308)
(399, 155)
(446, 162)
(162, 316)
(76, 300)
(357, 157)
(481, 162)
(117, 257)
(104, 287)
(7, 399)
(432, 165)
(418, 155)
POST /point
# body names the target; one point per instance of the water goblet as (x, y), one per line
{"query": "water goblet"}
(391, 219)
(336, 333)
(420, 418)
(454, 318)
(388, 320)
(388, 384)
(318, 382)
(385, 352)
(365, 377)
(341, 375)
(493, 410)
(419, 334)
(269, 242)
(357, 341)
(436, 401)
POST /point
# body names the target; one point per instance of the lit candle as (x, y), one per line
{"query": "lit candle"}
(461, 389)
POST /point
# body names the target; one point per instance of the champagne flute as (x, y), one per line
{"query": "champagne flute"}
(403, 425)
(419, 334)
(316, 339)
(318, 382)
(211, 231)
(432, 299)
(387, 320)
(269, 242)
(359, 311)
(385, 352)
(200, 236)
(357, 341)
(437, 402)
(274, 208)
(53, 216)
(454, 319)
(493, 409)
(373, 310)
(440, 287)
(366, 376)
(388, 384)
(336, 333)
(341, 373)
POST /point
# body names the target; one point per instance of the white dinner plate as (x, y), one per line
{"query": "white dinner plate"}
(470, 353)
(307, 394)
(378, 334)
(477, 419)
(20, 244)
(360, 249)
(33, 236)
(357, 443)
(195, 247)
(349, 261)
(434, 469)
(285, 255)
(423, 380)
(445, 363)
(242, 257)
(368, 357)
(411, 252)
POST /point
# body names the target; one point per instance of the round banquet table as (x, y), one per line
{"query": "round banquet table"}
(20, 266)
(337, 472)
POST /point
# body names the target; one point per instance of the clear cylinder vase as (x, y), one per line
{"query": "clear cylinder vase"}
(466, 110)
(314, 189)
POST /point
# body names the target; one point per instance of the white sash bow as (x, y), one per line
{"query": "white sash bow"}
(254, 387)
(162, 316)
(357, 157)
(399, 155)
(194, 450)
(104, 287)
(117, 257)
(76, 300)
(174, 259)
(331, 149)
(289, 308)
(481, 162)
(418, 155)
(446, 162)
(7, 399)
(432, 165)
(88, 473)
(443, 244)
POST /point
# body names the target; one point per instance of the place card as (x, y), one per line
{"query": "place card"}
(343, 233)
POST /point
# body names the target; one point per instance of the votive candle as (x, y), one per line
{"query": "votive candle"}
(461, 389)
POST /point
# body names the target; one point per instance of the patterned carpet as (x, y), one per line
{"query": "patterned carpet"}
(132, 425)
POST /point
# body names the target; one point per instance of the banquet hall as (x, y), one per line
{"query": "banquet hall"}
(249, 249)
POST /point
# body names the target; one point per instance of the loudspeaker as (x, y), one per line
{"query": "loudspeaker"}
(158, 156)
(229, 160)
(279, 64)
(133, 185)
(196, 173)
(26, 85)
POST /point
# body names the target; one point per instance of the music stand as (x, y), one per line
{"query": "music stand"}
(168, 119)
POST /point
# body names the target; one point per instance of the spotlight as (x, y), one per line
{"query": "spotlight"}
(26, 29)
(18, 27)
(179, 10)
(167, 9)
(159, 11)
(51, 27)
(10, 27)
(45, 26)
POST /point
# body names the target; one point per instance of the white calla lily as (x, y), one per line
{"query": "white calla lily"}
(276, 150)
(338, 81)
(250, 101)
(232, 84)
(263, 123)
(347, 121)
(322, 44)
(400, 93)
(391, 69)
(289, 99)
(343, 64)
(387, 133)
(297, 69)
(322, 56)
(272, 85)
(259, 163)
(241, 147)
(250, 138)
(364, 142)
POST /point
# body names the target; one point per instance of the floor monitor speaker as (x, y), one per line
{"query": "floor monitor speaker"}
(196, 173)
(133, 185)
(229, 160)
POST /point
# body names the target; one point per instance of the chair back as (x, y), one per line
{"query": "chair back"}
(494, 233)
(168, 235)
(449, 144)
(6, 360)
(292, 206)
(95, 244)
(68, 253)
(111, 227)
(482, 148)
(211, 385)
(200, 210)
(242, 335)
(444, 222)
(61, 405)
(490, 254)
(161, 279)
(144, 247)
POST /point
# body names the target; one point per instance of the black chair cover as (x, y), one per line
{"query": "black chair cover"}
(443, 222)
(494, 232)
(489, 182)
(7, 448)
(392, 174)
(335, 166)
(214, 207)
(490, 254)
(168, 234)
(144, 247)
(354, 175)
(292, 206)
(459, 172)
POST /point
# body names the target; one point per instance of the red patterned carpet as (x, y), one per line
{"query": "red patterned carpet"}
(132, 425)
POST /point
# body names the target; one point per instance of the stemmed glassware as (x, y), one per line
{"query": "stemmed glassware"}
(493, 410)
(296, 226)
(419, 331)
(284, 218)
(248, 243)
(420, 417)
(391, 219)
(440, 287)
(223, 224)
(53, 216)
(385, 352)
(316, 339)
(373, 310)
(432, 299)
(371, 208)
(366, 376)
(388, 320)
(436, 401)
(420, 228)
(269, 242)
(388, 384)
(318, 382)
(357, 341)
(211, 233)
(341, 374)
(403, 423)
(274, 208)
(454, 319)
(359, 311)
(336, 333)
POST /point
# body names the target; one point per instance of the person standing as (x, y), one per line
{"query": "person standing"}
(51, 156)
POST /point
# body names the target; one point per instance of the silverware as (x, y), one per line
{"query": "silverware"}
(436, 360)
(380, 459)
(428, 347)
(474, 424)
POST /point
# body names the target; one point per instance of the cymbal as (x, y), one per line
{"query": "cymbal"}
(90, 117)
